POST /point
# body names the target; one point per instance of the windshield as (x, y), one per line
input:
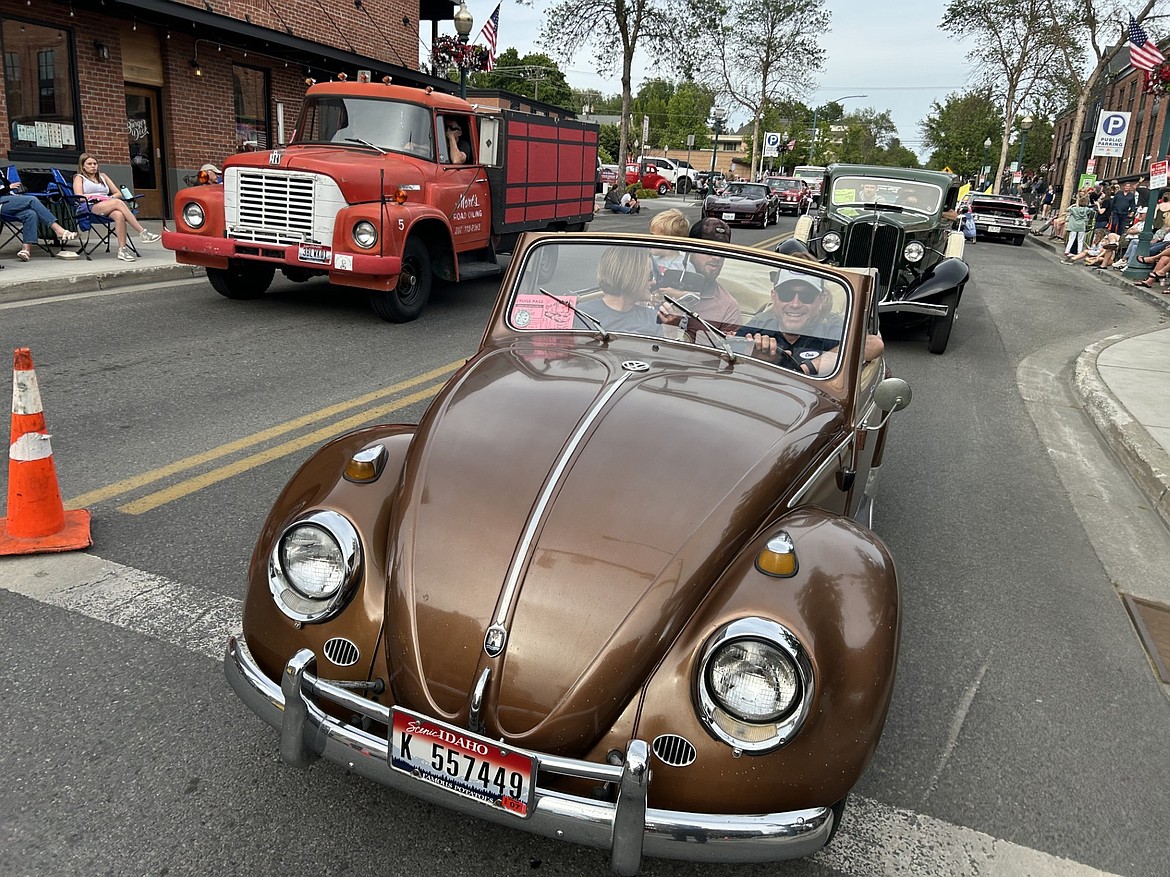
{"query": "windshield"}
(913, 196)
(808, 172)
(386, 124)
(785, 185)
(755, 309)
(747, 190)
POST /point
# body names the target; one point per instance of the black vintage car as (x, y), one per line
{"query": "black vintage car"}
(900, 223)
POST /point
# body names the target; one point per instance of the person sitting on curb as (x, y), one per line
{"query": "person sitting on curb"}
(1100, 256)
(617, 199)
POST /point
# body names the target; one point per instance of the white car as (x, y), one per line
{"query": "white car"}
(680, 173)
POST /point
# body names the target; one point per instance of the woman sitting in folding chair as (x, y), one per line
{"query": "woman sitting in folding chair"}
(29, 212)
(106, 200)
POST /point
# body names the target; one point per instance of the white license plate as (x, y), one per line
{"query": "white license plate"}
(729, 216)
(993, 229)
(315, 254)
(461, 762)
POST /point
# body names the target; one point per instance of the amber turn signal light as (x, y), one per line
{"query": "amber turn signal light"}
(778, 557)
(366, 465)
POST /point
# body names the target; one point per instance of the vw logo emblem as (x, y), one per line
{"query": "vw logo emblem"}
(635, 365)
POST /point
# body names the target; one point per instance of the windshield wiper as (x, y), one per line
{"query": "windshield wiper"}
(588, 318)
(711, 331)
(378, 149)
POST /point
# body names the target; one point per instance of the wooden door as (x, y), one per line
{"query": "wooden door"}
(147, 167)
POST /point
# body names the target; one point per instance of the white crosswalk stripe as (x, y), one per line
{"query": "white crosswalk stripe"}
(876, 840)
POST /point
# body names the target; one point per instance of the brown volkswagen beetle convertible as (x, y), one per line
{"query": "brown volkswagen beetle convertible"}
(618, 586)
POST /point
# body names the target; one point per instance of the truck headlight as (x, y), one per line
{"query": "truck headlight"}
(193, 215)
(831, 242)
(314, 566)
(365, 235)
(755, 684)
(914, 252)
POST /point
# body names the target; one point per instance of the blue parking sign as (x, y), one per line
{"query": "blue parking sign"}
(1112, 128)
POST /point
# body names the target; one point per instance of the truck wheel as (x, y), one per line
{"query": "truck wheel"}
(241, 280)
(683, 185)
(940, 327)
(406, 301)
(1019, 241)
(663, 188)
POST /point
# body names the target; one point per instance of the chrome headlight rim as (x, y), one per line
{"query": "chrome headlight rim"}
(193, 214)
(766, 736)
(364, 234)
(831, 242)
(914, 252)
(291, 601)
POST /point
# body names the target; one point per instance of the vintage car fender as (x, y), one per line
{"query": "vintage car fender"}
(804, 229)
(320, 484)
(842, 605)
(944, 277)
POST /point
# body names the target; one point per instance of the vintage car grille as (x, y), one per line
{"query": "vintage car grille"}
(279, 206)
(885, 240)
(674, 750)
(341, 651)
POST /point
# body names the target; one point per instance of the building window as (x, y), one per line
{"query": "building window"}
(251, 92)
(40, 87)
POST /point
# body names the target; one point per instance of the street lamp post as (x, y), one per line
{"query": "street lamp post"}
(812, 141)
(718, 114)
(463, 23)
(983, 173)
(1026, 124)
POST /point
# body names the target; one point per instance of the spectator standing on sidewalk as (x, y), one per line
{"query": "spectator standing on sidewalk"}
(1124, 209)
(1046, 202)
(1079, 219)
(1103, 215)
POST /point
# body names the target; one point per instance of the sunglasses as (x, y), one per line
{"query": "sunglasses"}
(454, 128)
(805, 294)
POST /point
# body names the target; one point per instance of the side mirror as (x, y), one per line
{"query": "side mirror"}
(892, 394)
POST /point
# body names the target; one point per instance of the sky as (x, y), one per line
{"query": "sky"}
(893, 52)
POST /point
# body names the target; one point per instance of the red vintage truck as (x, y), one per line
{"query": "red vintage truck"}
(367, 193)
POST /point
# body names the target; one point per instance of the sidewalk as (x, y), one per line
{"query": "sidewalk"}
(1124, 381)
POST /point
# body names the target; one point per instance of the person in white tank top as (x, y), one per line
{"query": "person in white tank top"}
(106, 200)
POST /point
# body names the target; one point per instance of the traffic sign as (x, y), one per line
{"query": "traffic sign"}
(771, 144)
(1158, 174)
(1112, 129)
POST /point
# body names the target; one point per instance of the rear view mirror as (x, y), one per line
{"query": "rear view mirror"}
(892, 394)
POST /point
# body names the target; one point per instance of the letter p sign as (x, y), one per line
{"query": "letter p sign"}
(1114, 124)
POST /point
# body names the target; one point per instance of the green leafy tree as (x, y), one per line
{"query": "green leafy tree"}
(955, 131)
(898, 155)
(535, 76)
(862, 137)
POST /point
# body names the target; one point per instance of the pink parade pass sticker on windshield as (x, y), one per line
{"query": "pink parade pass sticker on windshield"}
(537, 312)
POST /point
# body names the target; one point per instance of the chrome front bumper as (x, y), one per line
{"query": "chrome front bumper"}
(897, 306)
(627, 828)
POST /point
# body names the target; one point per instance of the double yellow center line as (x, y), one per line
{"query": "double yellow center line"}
(194, 483)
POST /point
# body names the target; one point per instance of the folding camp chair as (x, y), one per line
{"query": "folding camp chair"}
(92, 226)
(12, 229)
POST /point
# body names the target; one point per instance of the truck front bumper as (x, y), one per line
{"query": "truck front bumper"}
(625, 827)
(214, 252)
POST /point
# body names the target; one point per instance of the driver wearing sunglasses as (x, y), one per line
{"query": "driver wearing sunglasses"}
(458, 148)
(801, 332)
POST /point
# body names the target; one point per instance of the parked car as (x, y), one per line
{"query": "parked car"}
(794, 194)
(814, 175)
(999, 216)
(511, 609)
(646, 175)
(901, 223)
(680, 173)
(744, 203)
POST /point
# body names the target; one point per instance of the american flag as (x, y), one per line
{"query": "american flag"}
(1143, 54)
(490, 30)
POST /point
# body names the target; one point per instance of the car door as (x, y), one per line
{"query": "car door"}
(463, 187)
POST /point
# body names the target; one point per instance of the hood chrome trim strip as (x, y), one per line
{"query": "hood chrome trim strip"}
(555, 476)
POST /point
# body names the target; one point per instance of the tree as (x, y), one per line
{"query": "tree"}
(956, 130)
(862, 137)
(536, 76)
(1087, 28)
(1016, 43)
(754, 52)
(570, 24)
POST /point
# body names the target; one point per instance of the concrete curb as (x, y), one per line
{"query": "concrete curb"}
(1145, 460)
(102, 280)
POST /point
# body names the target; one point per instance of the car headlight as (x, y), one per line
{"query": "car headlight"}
(914, 252)
(365, 235)
(314, 566)
(754, 684)
(193, 215)
(831, 242)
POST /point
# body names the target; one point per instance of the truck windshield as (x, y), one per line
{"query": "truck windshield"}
(387, 124)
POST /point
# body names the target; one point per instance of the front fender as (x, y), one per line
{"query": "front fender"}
(946, 276)
(843, 606)
(319, 484)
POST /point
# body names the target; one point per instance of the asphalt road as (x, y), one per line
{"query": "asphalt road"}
(1026, 728)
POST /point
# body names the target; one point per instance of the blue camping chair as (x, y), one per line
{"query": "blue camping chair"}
(92, 226)
(38, 184)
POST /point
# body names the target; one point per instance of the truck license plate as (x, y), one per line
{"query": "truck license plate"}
(315, 254)
(461, 762)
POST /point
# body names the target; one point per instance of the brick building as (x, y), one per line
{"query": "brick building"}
(155, 88)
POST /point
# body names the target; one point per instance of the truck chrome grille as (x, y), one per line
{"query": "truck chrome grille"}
(280, 207)
(884, 255)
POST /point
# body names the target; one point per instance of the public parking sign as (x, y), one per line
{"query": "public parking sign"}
(771, 144)
(1112, 128)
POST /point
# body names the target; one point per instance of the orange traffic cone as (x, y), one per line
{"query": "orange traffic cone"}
(37, 520)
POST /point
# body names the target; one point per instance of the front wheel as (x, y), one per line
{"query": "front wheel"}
(663, 188)
(241, 280)
(683, 185)
(406, 301)
(940, 327)
(1019, 241)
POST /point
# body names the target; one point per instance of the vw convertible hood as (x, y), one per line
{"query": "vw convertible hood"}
(585, 508)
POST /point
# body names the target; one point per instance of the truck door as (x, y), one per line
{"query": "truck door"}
(462, 185)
